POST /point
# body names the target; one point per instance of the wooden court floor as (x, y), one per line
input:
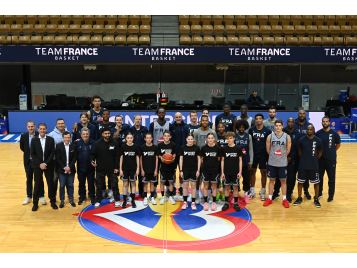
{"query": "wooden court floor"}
(305, 229)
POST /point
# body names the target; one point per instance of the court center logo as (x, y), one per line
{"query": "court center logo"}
(167, 226)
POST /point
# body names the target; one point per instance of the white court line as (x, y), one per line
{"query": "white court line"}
(348, 139)
(8, 137)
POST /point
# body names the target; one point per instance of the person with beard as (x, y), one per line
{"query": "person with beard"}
(270, 122)
(295, 136)
(310, 150)
(105, 158)
(100, 125)
(178, 126)
(56, 134)
(226, 117)
(120, 130)
(243, 116)
(331, 142)
(301, 124)
(85, 123)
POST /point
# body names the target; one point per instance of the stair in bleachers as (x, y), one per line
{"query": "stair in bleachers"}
(165, 24)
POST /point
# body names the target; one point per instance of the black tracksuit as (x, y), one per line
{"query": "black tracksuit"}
(106, 155)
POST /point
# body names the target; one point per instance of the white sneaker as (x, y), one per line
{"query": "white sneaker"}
(189, 198)
(111, 200)
(110, 193)
(172, 201)
(27, 201)
(145, 201)
(43, 201)
(117, 204)
(97, 205)
(251, 195)
(162, 200)
(262, 197)
(153, 201)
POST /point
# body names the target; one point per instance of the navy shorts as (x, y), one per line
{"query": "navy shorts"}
(210, 177)
(129, 175)
(260, 160)
(231, 179)
(149, 177)
(311, 175)
(189, 175)
(167, 176)
(277, 172)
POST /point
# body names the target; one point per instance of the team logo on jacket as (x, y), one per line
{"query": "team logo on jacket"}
(278, 152)
(186, 229)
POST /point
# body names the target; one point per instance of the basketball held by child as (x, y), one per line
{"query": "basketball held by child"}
(167, 158)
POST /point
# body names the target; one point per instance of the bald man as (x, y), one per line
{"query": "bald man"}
(178, 125)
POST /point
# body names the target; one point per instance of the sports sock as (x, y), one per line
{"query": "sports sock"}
(205, 198)
(132, 197)
(185, 198)
(263, 190)
(235, 199)
(193, 200)
(284, 197)
(124, 198)
(226, 199)
(270, 197)
(252, 190)
(214, 199)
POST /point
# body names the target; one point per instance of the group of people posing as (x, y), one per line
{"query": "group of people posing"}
(216, 155)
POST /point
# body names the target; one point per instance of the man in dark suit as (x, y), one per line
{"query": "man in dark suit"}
(66, 157)
(42, 153)
(25, 142)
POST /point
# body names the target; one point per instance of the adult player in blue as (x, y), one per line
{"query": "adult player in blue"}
(190, 128)
(292, 168)
(84, 118)
(310, 150)
(226, 117)
(331, 142)
(205, 111)
(93, 114)
(221, 135)
(259, 134)
(301, 124)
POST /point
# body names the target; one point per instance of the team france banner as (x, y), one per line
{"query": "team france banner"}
(227, 54)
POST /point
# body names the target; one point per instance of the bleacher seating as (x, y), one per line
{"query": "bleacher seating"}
(207, 30)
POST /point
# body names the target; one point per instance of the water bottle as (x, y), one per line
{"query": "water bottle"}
(281, 103)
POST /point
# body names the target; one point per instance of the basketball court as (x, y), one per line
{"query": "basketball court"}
(166, 228)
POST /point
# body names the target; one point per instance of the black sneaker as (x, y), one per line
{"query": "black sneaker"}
(62, 204)
(317, 203)
(54, 206)
(81, 201)
(330, 199)
(225, 206)
(288, 198)
(35, 207)
(92, 201)
(236, 207)
(320, 196)
(275, 197)
(181, 191)
(71, 202)
(298, 201)
(308, 196)
(133, 205)
(123, 205)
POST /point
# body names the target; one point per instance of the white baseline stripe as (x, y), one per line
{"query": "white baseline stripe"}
(8, 137)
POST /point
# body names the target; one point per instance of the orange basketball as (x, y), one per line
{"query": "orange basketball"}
(167, 158)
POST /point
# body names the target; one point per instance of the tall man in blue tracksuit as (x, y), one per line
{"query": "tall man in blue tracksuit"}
(85, 171)
(295, 136)
(138, 132)
(301, 124)
(177, 133)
